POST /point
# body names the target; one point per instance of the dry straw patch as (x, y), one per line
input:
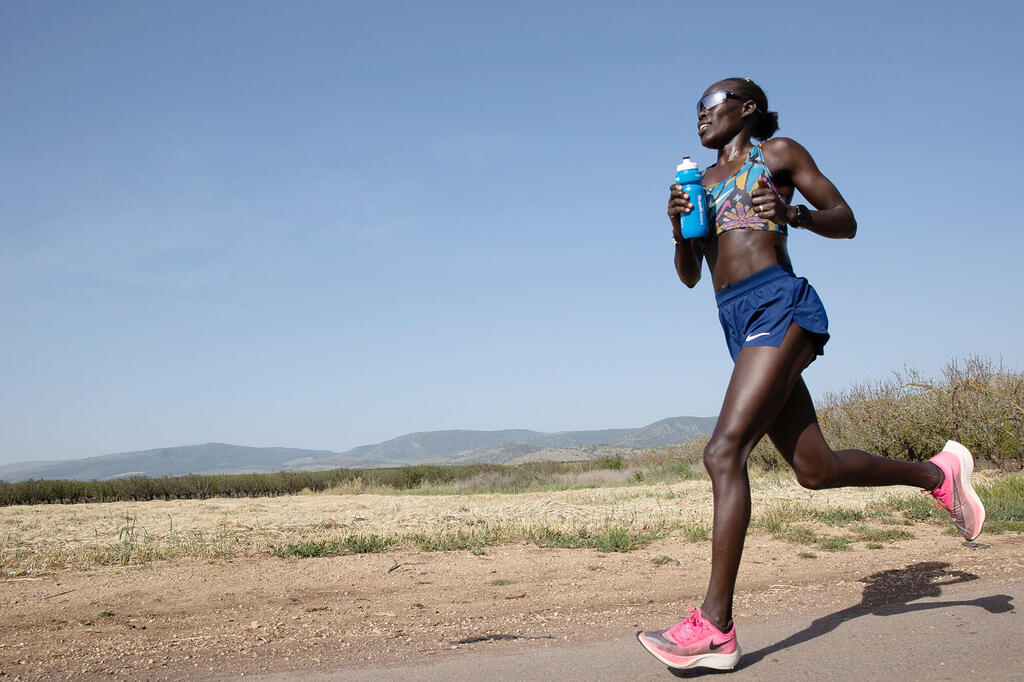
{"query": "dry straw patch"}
(84, 534)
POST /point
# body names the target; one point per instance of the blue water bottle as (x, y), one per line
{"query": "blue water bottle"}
(694, 223)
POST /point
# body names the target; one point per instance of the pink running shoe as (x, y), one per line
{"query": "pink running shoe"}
(956, 495)
(693, 643)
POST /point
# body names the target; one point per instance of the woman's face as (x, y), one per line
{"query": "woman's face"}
(721, 122)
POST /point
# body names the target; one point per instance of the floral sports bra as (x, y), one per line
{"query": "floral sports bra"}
(729, 205)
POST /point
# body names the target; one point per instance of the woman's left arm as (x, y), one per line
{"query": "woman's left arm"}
(832, 216)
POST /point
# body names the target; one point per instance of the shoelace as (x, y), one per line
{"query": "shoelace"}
(937, 497)
(691, 622)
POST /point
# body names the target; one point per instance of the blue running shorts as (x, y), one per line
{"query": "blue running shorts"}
(757, 310)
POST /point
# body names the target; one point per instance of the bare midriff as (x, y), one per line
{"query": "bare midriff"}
(737, 254)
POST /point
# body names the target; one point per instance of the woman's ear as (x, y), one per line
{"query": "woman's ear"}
(749, 107)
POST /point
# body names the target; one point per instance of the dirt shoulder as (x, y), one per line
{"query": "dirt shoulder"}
(256, 615)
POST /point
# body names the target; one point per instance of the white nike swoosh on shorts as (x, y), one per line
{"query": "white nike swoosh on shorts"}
(757, 336)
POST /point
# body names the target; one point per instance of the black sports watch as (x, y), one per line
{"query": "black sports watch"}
(803, 216)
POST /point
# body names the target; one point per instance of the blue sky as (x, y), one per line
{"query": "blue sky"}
(325, 224)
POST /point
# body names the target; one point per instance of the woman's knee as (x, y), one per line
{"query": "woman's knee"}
(812, 480)
(722, 455)
(815, 470)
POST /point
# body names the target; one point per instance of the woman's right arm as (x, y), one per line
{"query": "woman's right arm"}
(688, 256)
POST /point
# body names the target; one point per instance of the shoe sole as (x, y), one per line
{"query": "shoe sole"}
(970, 502)
(716, 661)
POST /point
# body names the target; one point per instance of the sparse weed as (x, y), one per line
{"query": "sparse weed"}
(888, 519)
(365, 544)
(1004, 504)
(779, 513)
(307, 549)
(788, 532)
(835, 544)
(352, 544)
(695, 532)
(798, 534)
(789, 512)
(911, 507)
(876, 535)
(126, 538)
(997, 526)
(459, 540)
(837, 516)
(607, 539)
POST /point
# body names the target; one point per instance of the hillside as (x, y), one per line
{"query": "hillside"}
(450, 446)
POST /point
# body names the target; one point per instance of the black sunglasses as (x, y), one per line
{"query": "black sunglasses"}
(714, 98)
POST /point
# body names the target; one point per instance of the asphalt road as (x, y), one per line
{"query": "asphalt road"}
(950, 632)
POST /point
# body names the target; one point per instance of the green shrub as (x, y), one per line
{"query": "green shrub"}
(613, 463)
(910, 417)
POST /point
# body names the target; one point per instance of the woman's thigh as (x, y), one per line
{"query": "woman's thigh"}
(796, 433)
(762, 380)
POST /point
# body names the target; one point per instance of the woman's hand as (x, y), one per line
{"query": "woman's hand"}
(769, 205)
(678, 205)
(687, 259)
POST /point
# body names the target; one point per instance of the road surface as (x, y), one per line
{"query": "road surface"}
(959, 630)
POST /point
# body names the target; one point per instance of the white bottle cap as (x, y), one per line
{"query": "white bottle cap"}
(687, 164)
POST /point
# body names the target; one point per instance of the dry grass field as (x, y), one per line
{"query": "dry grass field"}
(41, 536)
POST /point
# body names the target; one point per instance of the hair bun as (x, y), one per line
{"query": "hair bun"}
(765, 122)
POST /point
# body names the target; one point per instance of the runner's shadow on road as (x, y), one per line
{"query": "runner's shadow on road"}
(886, 593)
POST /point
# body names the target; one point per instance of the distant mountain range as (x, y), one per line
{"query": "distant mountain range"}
(432, 447)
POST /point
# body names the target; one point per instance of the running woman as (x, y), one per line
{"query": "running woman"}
(775, 326)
